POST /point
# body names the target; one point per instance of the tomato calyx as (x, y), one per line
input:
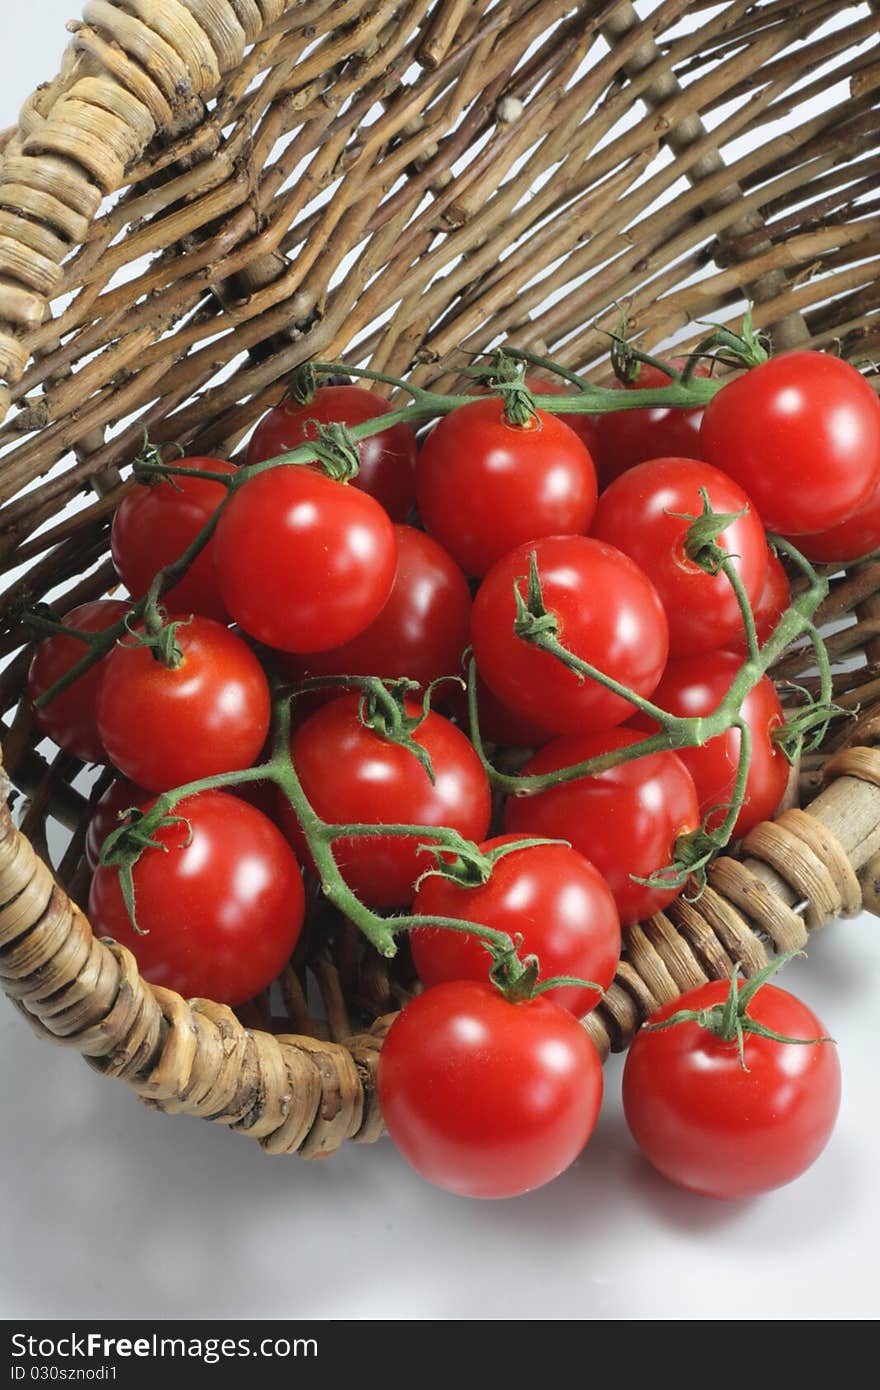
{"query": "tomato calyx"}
(534, 622)
(700, 541)
(124, 846)
(303, 384)
(158, 634)
(750, 348)
(731, 1021)
(383, 709)
(468, 866)
(507, 377)
(335, 448)
(149, 465)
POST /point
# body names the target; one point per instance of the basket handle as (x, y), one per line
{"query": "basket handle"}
(132, 68)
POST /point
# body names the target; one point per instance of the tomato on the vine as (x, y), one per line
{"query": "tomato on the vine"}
(304, 563)
(696, 685)
(387, 459)
(718, 1127)
(608, 613)
(420, 633)
(849, 540)
(550, 895)
(70, 719)
(120, 796)
(164, 726)
(630, 437)
(484, 1097)
(643, 512)
(352, 775)
(801, 434)
(220, 901)
(485, 485)
(625, 820)
(156, 522)
(773, 601)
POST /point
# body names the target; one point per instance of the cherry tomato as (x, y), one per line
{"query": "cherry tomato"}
(850, 540)
(637, 514)
(609, 614)
(352, 775)
(70, 720)
(119, 797)
(696, 685)
(629, 437)
(801, 434)
(304, 563)
(387, 459)
(163, 727)
(773, 601)
(626, 820)
(584, 426)
(549, 895)
(714, 1128)
(222, 911)
(485, 486)
(153, 525)
(420, 633)
(486, 1098)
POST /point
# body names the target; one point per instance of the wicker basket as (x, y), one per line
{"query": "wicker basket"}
(213, 191)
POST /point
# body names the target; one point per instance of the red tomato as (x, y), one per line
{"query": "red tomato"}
(549, 895)
(774, 600)
(486, 1098)
(584, 426)
(70, 720)
(850, 540)
(630, 437)
(353, 776)
(387, 459)
(696, 685)
(635, 514)
(420, 633)
(304, 563)
(221, 914)
(627, 819)
(713, 1128)
(120, 796)
(609, 615)
(163, 727)
(485, 486)
(153, 525)
(801, 434)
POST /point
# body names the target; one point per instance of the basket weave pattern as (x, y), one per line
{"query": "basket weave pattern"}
(213, 191)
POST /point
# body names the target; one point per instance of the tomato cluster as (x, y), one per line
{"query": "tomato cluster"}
(599, 572)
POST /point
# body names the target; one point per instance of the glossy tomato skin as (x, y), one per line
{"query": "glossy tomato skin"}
(304, 563)
(120, 796)
(70, 720)
(850, 540)
(609, 614)
(164, 727)
(715, 1129)
(625, 820)
(773, 600)
(420, 633)
(505, 726)
(221, 914)
(485, 486)
(696, 685)
(387, 459)
(627, 438)
(801, 434)
(352, 776)
(152, 527)
(636, 515)
(551, 896)
(486, 1098)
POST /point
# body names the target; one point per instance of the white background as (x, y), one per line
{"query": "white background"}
(109, 1210)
